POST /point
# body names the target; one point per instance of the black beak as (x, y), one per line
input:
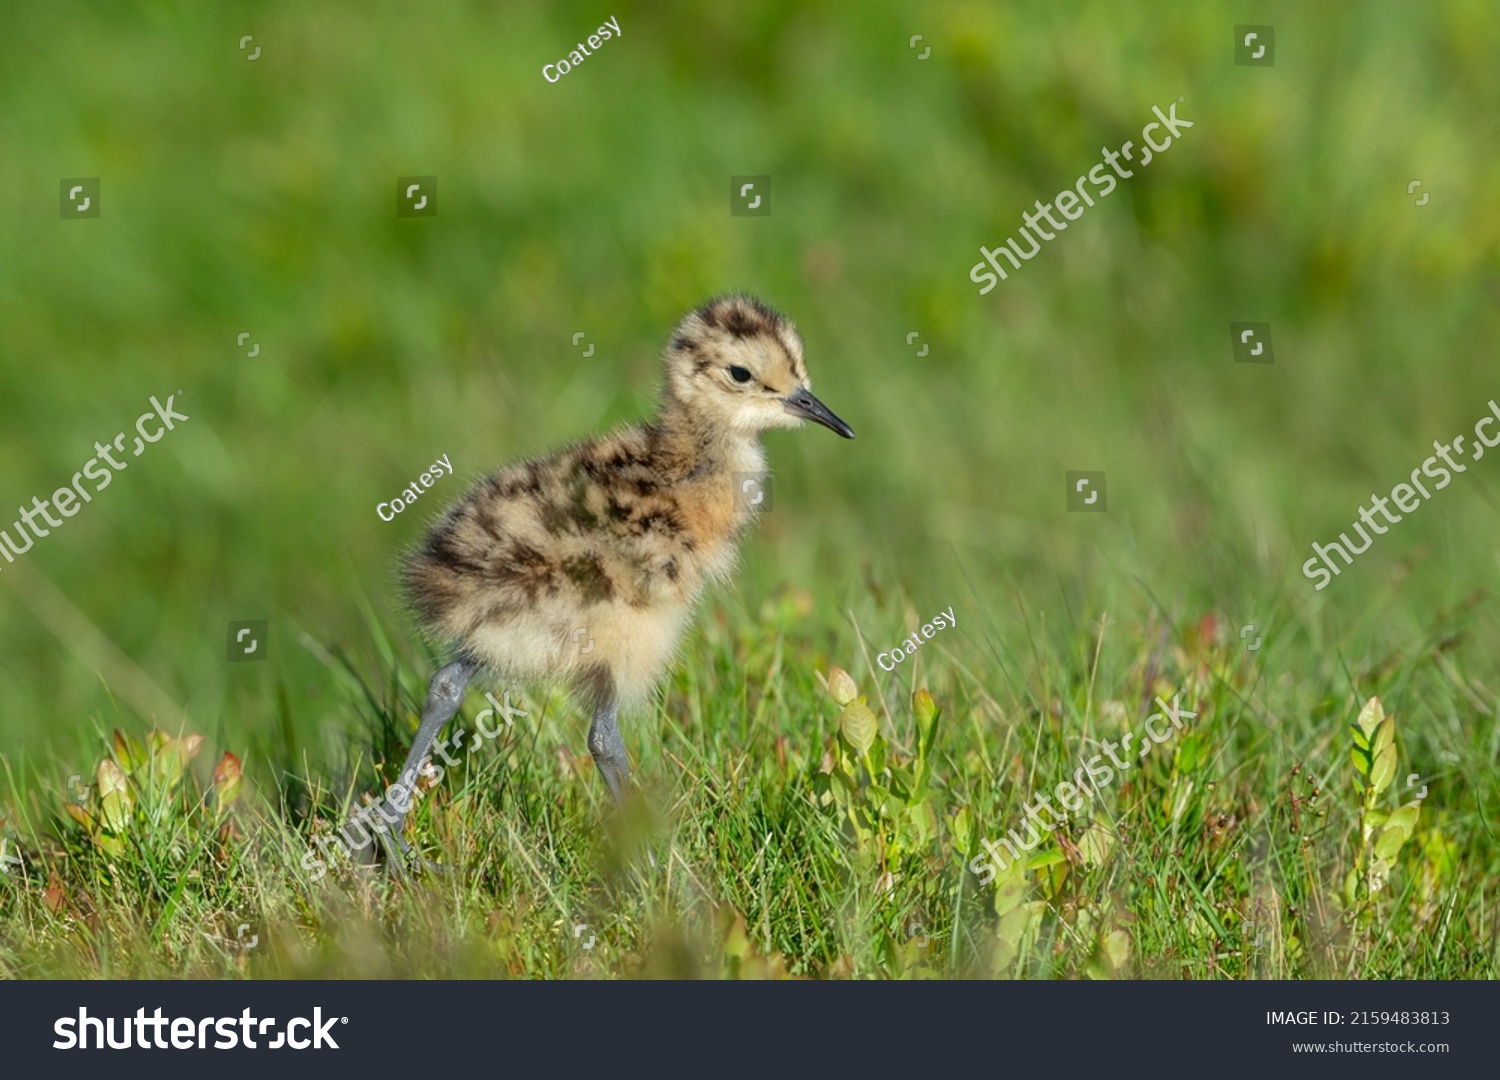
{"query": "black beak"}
(802, 403)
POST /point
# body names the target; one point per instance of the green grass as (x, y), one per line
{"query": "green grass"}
(1191, 868)
(257, 197)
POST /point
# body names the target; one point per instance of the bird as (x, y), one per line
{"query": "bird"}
(583, 568)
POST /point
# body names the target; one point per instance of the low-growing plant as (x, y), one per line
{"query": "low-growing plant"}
(139, 797)
(1382, 833)
(884, 796)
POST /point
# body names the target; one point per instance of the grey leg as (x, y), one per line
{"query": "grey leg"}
(605, 742)
(445, 695)
(608, 748)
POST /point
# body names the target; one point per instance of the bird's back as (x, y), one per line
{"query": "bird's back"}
(586, 560)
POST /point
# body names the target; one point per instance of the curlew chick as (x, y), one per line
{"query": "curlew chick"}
(584, 566)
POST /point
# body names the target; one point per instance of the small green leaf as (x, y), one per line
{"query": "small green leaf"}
(166, 760)
(858, 726)
(737, 940)
(1385, 735)
(922, 823)
(115, 798)
(1370, 717)
(1116, 947)
(1049, 857)
(842, 686)
(962, 827)
(1095, 844)
(1013, 920)
(926, 710)
(1010, 888)
(1404, 821)
(129, 752)
(1389, 843)
(1383, 768)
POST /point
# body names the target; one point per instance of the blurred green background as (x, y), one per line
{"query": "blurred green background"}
(258, 197)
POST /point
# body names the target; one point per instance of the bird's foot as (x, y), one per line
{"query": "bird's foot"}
(400, 856)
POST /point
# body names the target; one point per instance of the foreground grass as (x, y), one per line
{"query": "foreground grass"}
(792, 836)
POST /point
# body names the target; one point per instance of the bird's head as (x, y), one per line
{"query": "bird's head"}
(737, 365)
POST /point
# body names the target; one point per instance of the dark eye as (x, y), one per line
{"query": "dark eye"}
(739, 374)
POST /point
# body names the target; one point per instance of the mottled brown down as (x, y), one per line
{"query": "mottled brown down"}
(585, 565)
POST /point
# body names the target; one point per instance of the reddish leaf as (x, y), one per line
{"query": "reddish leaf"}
(227, 779)
(80, 815)
(55, 896)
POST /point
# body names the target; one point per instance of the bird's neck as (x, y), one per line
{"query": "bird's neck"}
(694, 450)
